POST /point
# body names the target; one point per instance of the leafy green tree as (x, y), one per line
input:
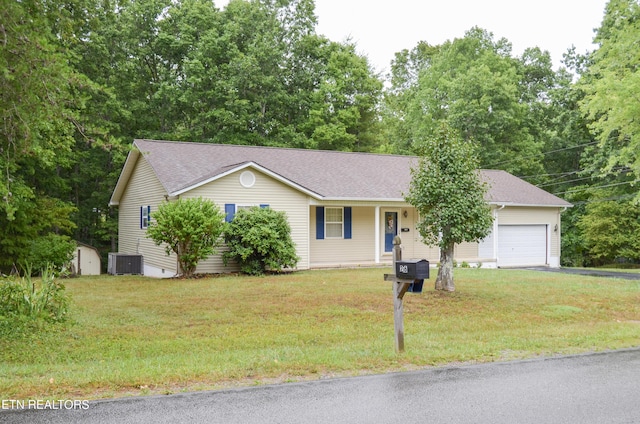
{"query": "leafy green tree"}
(36, 100)
(44, 103)
(256, 73)
(343, 115)
(259, 240)
(447, 192)
(35, 217)
(610, 230)
(612, 87)
(405, 72)
(475, 86)
(190, 228)
(52, 251)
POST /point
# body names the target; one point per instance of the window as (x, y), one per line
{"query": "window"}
(231, 209)
(145, 216)
(334, 221)
(238, 207)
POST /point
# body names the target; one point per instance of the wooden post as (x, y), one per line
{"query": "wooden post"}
(398, 308)
(398, 320)
(400, 287)
(398, 294)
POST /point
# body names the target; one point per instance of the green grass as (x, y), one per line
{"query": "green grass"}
(136, 335)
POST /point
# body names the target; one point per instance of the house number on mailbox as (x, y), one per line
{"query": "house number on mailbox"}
(404, 269)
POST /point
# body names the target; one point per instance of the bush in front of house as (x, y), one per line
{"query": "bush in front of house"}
(259, 240)
(191, 228)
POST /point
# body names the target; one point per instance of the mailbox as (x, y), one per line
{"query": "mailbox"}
(413, 269)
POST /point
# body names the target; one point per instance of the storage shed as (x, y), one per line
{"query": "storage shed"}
(86, 260)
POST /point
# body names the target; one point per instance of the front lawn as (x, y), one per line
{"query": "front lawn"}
(136, 335)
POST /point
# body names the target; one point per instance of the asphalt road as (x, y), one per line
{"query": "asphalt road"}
(594, 388)
(590, 272)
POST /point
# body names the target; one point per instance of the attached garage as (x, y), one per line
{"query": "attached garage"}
(522, 245)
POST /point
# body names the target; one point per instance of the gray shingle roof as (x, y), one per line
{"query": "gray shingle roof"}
(324, 174)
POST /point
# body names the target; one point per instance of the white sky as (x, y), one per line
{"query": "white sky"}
(381, 28)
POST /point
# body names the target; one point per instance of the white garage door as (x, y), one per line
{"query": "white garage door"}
(522, 245)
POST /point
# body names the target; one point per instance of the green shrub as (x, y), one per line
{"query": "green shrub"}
(52, 250)
(259, 240)
(191, 228)
(25, 298)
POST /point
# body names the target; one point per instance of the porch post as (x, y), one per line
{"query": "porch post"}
(376, 231)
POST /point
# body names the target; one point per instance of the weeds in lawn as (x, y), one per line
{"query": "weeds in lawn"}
(25, 296)
(136, 335)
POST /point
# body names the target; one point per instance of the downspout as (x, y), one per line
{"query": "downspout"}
(558, 235)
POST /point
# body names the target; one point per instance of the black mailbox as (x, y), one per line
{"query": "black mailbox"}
(413, 269)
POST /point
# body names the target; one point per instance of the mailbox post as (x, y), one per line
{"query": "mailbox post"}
(408, 277)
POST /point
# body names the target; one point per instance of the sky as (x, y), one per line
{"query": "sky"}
(380, 28)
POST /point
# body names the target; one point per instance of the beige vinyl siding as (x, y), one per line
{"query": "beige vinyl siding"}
(422, 251)
(412, 245)
(143, 189)
(466, 252)
(266, 190)
(534, 216)
(414, 248)
(360, 249)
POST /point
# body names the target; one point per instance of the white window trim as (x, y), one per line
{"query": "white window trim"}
(146, 217)
(326, 222)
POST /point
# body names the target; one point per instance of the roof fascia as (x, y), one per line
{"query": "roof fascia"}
(257, 168)
(530, 205)
(363, 199)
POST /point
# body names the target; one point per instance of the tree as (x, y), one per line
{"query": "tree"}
(259, 239)
(51, 251)
(610, 230)
(190, 228)
(343, 114)
(39, 109)
(475, 86)
(405, 72)
(447, 192)
(612, 87)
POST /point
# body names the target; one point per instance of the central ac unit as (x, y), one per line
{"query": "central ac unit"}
(122, 263)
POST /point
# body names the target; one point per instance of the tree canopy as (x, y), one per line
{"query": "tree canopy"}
(79, 79)
(612, 87)
(475, 86)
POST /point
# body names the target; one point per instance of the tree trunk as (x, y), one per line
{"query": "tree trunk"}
(444, 281)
